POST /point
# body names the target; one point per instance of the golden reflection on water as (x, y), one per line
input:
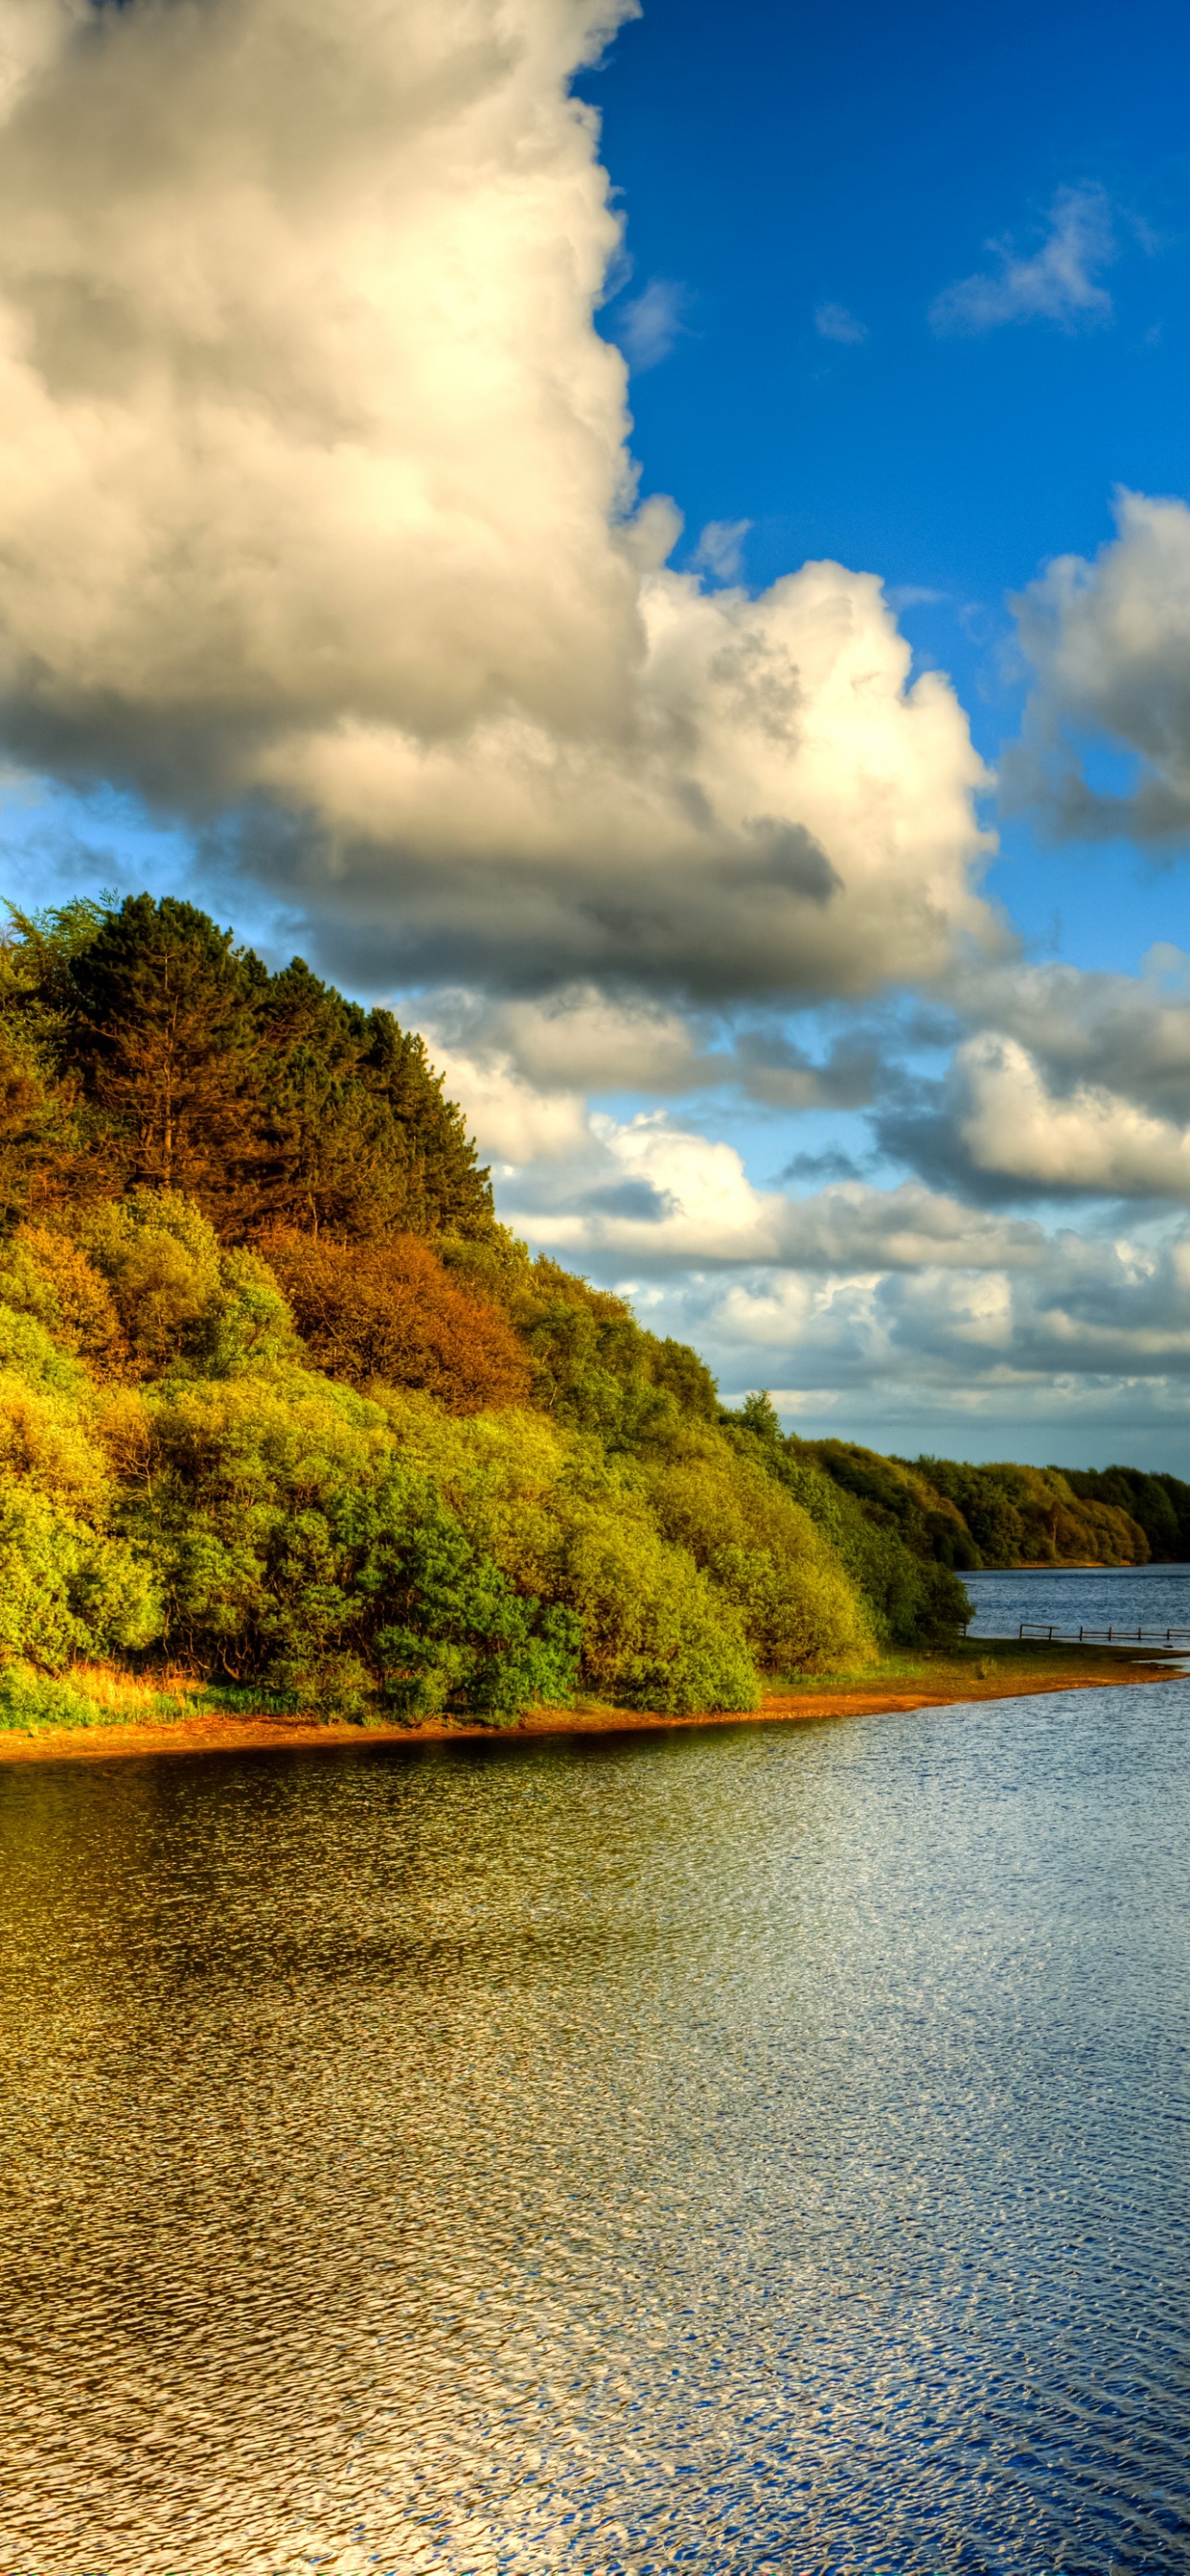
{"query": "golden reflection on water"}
(752, 2150)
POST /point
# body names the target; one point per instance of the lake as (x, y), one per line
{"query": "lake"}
(756, 2149)
(1076, 1596)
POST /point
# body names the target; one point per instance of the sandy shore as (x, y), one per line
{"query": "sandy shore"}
(798, 1705)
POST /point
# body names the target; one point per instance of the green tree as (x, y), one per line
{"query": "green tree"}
(360, 1139)
(165, 1035)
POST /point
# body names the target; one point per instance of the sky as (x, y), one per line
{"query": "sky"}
(657, 544)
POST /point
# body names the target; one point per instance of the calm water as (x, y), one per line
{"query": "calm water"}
(761, 2149)
(1077, 1596)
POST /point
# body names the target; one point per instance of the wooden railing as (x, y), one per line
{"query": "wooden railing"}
(1058, 1636)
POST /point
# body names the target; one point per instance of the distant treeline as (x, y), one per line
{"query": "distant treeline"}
(965, 1517)
(284, 1408)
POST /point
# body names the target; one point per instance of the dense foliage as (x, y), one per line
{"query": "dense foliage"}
(282, 1406)
(179, 1483)
(140, 1047)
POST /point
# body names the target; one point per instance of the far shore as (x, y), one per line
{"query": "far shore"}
(979, 1669)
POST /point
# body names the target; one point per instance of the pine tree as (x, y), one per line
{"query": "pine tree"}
(446, 1189)
(166, 1037)
(361, 1141)
(145, 1049)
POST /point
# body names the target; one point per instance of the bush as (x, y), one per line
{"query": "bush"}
(576, 1529)
(87, 1696)
(293, 1544)
(762, 1550)
(45, 1275)
(65, 1588)
(391, 1312)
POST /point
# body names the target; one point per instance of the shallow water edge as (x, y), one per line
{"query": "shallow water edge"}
(794, 1707)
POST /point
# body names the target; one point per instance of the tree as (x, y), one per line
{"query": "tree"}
(360, 1139)
(165, 1034)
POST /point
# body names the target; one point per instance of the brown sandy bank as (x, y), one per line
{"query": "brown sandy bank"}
(973, 1671)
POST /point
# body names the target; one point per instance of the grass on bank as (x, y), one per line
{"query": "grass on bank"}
(970, 1663)
(93, 1695)
(33, 1703)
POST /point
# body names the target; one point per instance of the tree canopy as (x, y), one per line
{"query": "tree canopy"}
(139, 1045)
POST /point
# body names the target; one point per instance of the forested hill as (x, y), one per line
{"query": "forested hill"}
(140, 1047)
(285, 1410)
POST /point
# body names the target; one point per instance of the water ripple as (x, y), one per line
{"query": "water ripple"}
(761, 2150)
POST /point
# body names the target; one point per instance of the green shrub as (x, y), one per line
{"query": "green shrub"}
(29, 1700)
(86, 1696)
(576, 1529)
(65, 1588)
(761, 1549)
(293, 1543)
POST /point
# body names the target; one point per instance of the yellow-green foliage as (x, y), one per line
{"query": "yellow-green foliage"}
(762, 1550)
(175, 1480)
(686, 1569)
(88, 1695)
(69, 1583)
(44, 1274)
(181, 1298)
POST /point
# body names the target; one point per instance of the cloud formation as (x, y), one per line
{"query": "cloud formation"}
(1087, 1141)
(663, 1197)
(982, 1341)
(1069, 1085)
(1109, 645)
(879, 1305)
(720, 548)
(1058, 283)
(1124, 1034)
(318, 511)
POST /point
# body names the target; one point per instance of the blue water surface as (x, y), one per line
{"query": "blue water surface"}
(1149, 1597)
(754, 2149)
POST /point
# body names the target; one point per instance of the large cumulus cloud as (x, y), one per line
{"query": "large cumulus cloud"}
(317, 509)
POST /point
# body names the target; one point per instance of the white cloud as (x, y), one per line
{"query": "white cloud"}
(665, 1197)
(30, 36)
(878, 1308)
(650, 326)
(511, 1119)
(1109, 642)
(1075, 1329)
(580, 1040)
(834, 322)
(1127, 1035)
(660, 1197)
(316, 503)
(1058, 283)
(1088, 1140)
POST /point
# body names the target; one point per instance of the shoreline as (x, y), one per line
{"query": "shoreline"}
(796, 1704)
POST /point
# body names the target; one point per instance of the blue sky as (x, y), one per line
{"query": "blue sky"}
(334, 607)
(774, 162)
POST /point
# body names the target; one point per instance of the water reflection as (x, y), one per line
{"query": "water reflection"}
(762, 2149)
